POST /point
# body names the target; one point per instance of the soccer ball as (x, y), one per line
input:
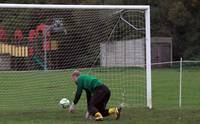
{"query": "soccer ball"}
(64, 103)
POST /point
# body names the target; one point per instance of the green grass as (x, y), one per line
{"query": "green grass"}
(32, 97)
(166, 88)
(136, 116)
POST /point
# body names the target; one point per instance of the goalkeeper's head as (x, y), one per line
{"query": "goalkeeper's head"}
(75, 75)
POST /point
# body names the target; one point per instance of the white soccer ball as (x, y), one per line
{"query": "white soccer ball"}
(64, 103)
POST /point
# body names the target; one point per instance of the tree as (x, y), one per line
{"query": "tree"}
(178, 19)
(178, 14)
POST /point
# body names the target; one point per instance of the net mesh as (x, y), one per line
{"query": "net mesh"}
(39, 49)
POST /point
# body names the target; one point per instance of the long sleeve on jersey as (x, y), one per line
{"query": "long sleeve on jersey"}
(78, 94)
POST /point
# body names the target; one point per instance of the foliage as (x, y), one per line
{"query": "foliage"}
(176, 18)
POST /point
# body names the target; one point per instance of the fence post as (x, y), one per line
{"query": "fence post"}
(180, 82)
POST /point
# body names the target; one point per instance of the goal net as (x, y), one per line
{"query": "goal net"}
(40, 46)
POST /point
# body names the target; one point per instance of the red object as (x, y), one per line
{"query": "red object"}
(32, 35)
(3, 35)
(31, 51)
(47, 46)
(18, 35)
(41, 30)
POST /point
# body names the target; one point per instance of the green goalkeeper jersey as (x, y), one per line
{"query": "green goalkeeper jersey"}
(87, 83)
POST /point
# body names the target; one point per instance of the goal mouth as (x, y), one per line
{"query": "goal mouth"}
(41, 45)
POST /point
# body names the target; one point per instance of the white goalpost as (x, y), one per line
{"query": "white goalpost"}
(40, 45)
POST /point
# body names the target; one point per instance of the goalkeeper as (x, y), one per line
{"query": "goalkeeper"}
(97, 96)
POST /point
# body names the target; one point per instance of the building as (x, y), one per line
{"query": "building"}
(131, 53)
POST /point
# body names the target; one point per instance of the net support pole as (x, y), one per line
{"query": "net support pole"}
(148, 58)
(180, 83)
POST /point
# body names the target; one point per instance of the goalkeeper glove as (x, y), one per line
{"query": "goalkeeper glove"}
(72, 108)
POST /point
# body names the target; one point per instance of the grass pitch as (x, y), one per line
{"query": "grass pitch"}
(32, 97)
